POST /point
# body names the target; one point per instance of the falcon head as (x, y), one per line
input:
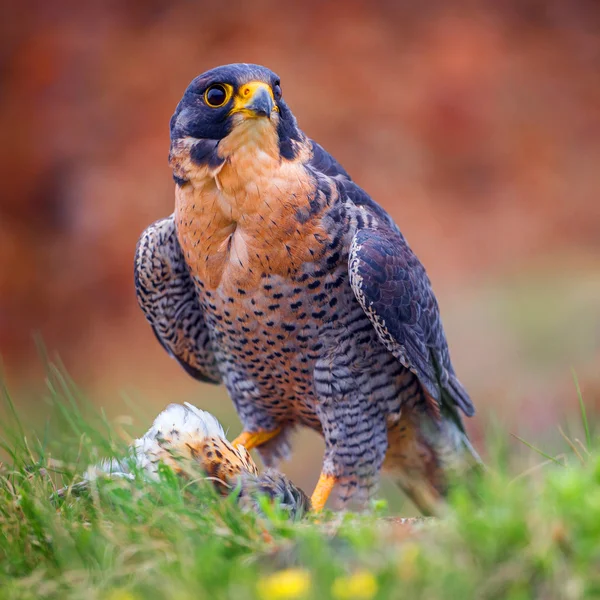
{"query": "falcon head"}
(230, 107)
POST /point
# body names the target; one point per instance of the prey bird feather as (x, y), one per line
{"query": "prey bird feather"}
(280, 278)
(186, 439)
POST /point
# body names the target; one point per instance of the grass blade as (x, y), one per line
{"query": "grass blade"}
(572, 445)
(584, 419)
(540, 452)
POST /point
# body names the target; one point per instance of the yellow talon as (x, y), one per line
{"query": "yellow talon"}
(322, 491)
(255, 439)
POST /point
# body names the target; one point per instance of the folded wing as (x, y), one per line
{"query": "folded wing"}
(394, 291)
(166, 295)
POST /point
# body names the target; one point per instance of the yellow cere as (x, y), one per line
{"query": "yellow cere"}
(361, 585)
(246, 93)
(288, 584)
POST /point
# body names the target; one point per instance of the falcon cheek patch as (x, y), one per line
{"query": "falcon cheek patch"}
(204, 154)
(291, 139)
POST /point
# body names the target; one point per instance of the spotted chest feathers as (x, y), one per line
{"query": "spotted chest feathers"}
(241, 222)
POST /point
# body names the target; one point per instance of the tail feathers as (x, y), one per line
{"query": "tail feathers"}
(450, 447)
(473, 455)
(459, 395)
(454, 450)
(459, 465)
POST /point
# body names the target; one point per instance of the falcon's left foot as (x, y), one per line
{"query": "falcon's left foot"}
(251, 440)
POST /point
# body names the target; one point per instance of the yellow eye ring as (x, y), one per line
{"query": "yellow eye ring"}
(217, 95)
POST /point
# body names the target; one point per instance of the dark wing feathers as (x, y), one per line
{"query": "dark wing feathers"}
(167, 296)
(323, 162)
(394, 291)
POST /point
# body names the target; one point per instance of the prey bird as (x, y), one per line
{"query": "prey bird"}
(280, 278)
(186, 439)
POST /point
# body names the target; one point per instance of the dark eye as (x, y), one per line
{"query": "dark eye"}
(277, 91)
(215, 95)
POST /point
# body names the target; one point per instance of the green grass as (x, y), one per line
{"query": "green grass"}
(533, 534)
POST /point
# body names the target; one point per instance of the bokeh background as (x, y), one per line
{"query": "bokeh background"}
(477, 125)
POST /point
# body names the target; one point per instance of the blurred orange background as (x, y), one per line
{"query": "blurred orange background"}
(476, 125)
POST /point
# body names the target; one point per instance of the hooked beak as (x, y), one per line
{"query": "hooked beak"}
(255, 100)
(261, 104)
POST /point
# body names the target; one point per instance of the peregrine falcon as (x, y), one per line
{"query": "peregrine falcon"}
(280, 278)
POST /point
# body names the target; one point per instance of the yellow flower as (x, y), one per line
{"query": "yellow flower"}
(407, 567)
(120, 594)
(284, 585)
(360, 585)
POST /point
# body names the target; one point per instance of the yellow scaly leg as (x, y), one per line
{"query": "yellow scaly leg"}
(251, 440)
(322, 491)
